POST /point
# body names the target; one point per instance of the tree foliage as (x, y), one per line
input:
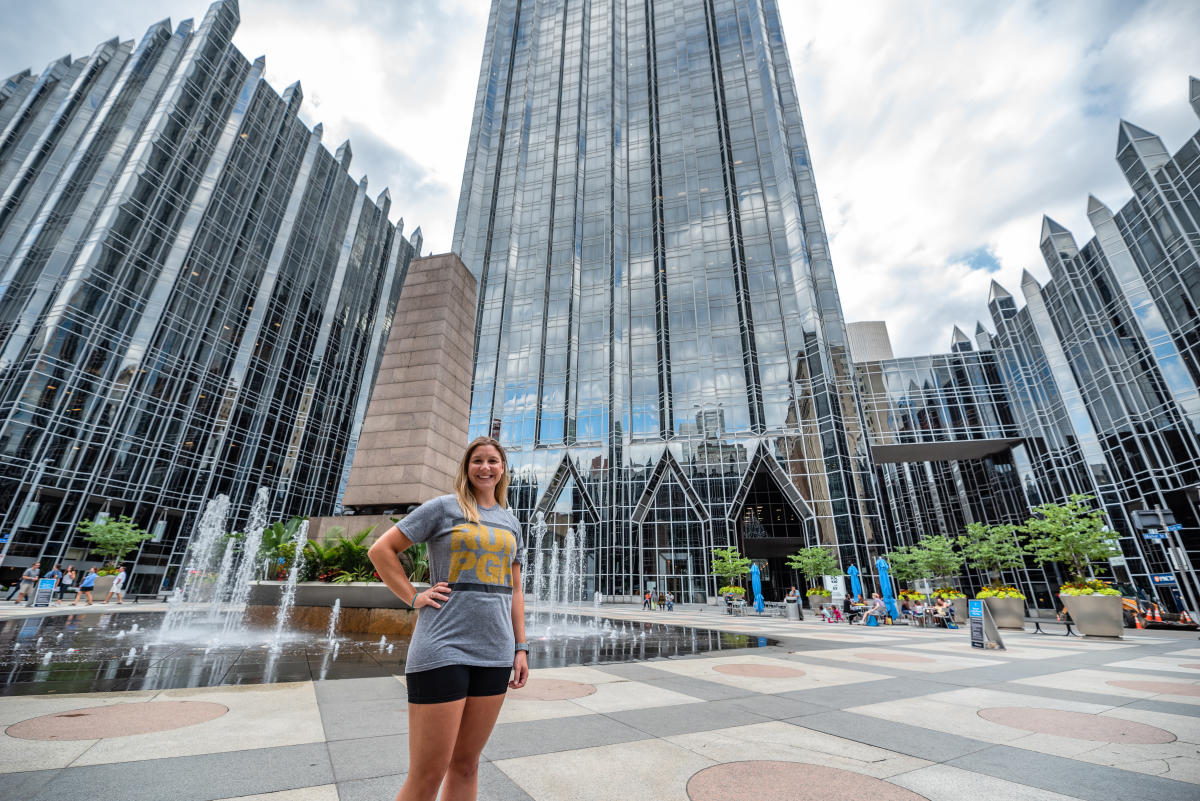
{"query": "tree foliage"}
(814, 562)
(729, 564)
(940, 557)
(1072, 534)
(113, 538)
(992, 548)
(907, 563)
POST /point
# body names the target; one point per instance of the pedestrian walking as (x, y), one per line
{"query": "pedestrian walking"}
(86, 586)
(28, 579)
(118, 586)
(66, 585)
(646, 600)
(470, 632)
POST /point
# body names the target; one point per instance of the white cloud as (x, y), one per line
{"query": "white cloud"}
(937, 129)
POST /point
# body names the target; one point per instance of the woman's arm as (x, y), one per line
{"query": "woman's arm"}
(383, 555)
(520, 658)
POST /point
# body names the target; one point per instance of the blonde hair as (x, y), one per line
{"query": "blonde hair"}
(462, 484)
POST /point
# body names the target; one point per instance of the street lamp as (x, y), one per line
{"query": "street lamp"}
(27, 509)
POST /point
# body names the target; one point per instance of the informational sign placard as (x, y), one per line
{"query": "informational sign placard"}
(975, 614)
(43, 592)
(1162, 579)
(1154, 535)
(984, 633)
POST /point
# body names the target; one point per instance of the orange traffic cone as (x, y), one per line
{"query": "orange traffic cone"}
(1156, 615)
(1184, 617)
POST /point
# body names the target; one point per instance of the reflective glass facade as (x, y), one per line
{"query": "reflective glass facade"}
(660, 341)
(1100, 366)
(193, 295)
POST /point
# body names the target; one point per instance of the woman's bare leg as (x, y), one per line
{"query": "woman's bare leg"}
(432, 730)
(478, 719)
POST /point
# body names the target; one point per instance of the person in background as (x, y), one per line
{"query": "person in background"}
(670, 602)
(86, 586)
(876, 609)
(118, 586)
(67, 584)
(646, 600)
(28, 580)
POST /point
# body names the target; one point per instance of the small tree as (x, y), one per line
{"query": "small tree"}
(814, 563)
(1072, 534)
(113, 539)
(908, 563)
(992, 548)
(940, 557)
(729, 564)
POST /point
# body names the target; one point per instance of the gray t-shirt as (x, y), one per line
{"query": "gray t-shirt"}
(473, 627)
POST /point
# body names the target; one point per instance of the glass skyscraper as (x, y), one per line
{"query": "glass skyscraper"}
(660, 342)
(1097, 373)
(194, 295)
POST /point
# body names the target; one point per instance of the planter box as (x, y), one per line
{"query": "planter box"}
(367, 607)
(103, 585)
(960, 608)
(1009, 613)
(1095, 615)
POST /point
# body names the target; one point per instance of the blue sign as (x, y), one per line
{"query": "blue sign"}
(975, 608)
(1162, 579)
(1155, 535)
(1176, 527)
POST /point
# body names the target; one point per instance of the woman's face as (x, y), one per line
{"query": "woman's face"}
(485, 468)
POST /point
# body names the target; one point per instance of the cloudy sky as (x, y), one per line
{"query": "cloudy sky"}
(940, 132)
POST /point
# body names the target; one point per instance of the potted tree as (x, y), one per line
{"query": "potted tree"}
(942, 560)
(729, 565)
(992, 549)
(814, 563)
(1073, 534)
(112, 539)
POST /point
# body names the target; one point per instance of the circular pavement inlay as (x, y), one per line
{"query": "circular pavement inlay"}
(1077, 725)
(116, 720)
(1165, 687)
(879, 656)
(795, 781)
(552, 690)
(759, 671)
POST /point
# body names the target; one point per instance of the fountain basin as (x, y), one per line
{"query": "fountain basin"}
(368, 607)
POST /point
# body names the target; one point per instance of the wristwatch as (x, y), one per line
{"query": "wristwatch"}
(522, 646)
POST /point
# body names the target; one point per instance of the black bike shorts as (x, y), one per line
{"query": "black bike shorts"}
(455, 682)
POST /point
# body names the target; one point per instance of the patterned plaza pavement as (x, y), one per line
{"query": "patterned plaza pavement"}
(831, 712)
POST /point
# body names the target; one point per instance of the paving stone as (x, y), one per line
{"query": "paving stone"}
(635, 671)
(381, 788)
(868, 692)
(1165, 707)
(776, 707)
(194, 778)
(369, 757)
(914, 741)
(25, 785)
(511, 740)
(361, 689)
(350, 720)
(1069, 777)
(665, 721)
(699, 688)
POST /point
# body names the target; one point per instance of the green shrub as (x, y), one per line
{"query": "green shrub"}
(1000, 592)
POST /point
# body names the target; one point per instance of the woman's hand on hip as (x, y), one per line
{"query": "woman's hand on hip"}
(520, 670)
(435, 596)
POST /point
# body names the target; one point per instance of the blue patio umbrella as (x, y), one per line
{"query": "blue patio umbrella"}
(855, 583)
(756, 586)
(885, 588)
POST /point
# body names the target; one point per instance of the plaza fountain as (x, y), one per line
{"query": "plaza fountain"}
(209, 634)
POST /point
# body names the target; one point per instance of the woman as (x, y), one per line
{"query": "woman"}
(470, 630)
(66, 585)
(85, 587)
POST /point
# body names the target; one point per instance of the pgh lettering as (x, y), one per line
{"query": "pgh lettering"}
(484, 550)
